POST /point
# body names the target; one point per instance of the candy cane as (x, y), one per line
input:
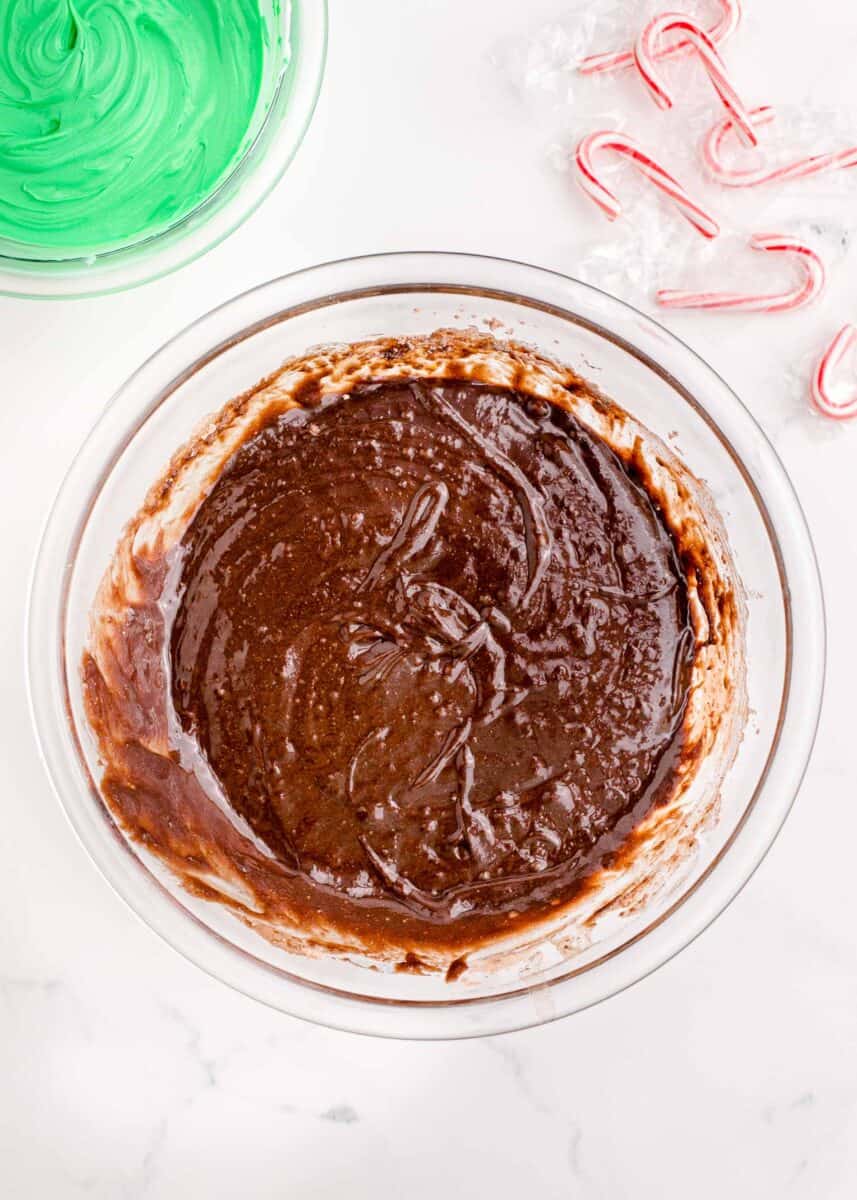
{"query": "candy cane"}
(646, 51)
(830, 360)
(811, 285)
(618, 60)
(815, 164)
(605, 199)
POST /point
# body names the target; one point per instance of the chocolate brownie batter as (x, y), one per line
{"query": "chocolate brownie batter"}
(432, 640)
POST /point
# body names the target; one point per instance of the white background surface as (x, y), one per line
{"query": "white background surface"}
(124, 1071)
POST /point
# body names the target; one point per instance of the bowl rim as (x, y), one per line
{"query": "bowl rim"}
(535, 1003)
(189, 237)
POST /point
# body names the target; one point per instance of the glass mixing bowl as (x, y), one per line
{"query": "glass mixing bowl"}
(290, 89)
(633, 360)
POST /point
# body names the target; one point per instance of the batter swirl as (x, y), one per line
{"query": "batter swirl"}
(432, 639)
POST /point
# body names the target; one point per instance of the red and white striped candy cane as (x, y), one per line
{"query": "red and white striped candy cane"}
(618, 60)
(814, 164)
(588, 179)
(812, 282)
(648, 46)
(839, 410)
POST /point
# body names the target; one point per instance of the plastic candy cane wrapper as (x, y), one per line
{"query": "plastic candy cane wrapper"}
(728, 17)
(638, 220)
(801, 151)
(652, 46)
(638, 223)
(541, 65)
(588, 50)
(760, 296)
(806, 160)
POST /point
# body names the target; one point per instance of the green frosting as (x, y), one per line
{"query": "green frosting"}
(117, 117)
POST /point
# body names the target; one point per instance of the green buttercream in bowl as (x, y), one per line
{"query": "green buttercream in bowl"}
(119, 117)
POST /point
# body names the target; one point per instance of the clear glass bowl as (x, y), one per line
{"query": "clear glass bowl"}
(632, 359)
(290, 90)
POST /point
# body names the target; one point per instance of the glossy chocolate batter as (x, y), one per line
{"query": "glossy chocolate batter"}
(432, 639)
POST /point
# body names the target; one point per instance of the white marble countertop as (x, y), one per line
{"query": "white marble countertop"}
(125, 1071)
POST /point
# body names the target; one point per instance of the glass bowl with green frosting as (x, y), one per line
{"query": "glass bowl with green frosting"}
(137, 134)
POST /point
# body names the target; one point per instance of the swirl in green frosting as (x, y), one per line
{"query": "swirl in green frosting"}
(117, 117)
